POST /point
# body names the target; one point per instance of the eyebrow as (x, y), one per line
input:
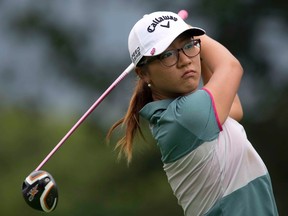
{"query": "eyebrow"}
(183, 39)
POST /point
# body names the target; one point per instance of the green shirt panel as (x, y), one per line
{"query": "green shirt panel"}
(181, 125)
(254, 199)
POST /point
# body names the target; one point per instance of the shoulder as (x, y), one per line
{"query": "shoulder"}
(194, 100)
(194, 111)
(197, 112)
(181, 125)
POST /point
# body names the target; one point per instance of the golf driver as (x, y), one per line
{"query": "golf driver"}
(39, 189)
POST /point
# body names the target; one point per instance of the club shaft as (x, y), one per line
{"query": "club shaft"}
(182, 14)
(88, 112)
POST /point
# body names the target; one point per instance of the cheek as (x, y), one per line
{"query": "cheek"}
(163, 78)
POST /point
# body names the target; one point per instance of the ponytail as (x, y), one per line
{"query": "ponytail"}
(141, 96)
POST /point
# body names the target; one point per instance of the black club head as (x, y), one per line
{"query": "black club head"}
(40, 191)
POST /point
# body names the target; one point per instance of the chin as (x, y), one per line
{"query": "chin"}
(190, 90)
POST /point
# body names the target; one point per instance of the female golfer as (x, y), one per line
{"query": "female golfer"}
(210, 164)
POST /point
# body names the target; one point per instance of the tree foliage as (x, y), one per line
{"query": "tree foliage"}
(90, 180)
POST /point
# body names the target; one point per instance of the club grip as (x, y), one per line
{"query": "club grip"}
(183, 14)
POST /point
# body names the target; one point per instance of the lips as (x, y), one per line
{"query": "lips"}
(190, 73)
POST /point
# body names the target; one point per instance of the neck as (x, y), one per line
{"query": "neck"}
(157, 96)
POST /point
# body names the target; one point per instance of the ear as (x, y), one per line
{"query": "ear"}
(143, 74)
(139, 72)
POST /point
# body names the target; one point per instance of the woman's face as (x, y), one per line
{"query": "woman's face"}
(177, 80)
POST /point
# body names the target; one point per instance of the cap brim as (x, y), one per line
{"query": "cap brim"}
(165, 43)
(195, 31)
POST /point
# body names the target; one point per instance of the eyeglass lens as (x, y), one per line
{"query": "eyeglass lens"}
(170, 57)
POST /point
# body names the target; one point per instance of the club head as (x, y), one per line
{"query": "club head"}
(40, 191)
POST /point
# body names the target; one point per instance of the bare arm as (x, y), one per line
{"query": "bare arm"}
(236, 111)
(224, 80)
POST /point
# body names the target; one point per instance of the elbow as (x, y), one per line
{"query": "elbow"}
(236, 111)
(238, 116)
(237, 67)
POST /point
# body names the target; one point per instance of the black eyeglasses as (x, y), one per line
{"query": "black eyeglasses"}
(170, 58)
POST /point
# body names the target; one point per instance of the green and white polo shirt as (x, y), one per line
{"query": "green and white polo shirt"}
(212, 168)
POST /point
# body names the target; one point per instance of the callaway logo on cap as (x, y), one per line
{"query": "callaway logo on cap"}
(152, 34)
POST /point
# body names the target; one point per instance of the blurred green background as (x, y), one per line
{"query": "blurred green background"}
(58, 56)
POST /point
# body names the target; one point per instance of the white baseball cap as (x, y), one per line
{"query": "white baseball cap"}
(152, 34)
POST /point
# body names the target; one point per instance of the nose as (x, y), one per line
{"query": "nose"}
(183, 59)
